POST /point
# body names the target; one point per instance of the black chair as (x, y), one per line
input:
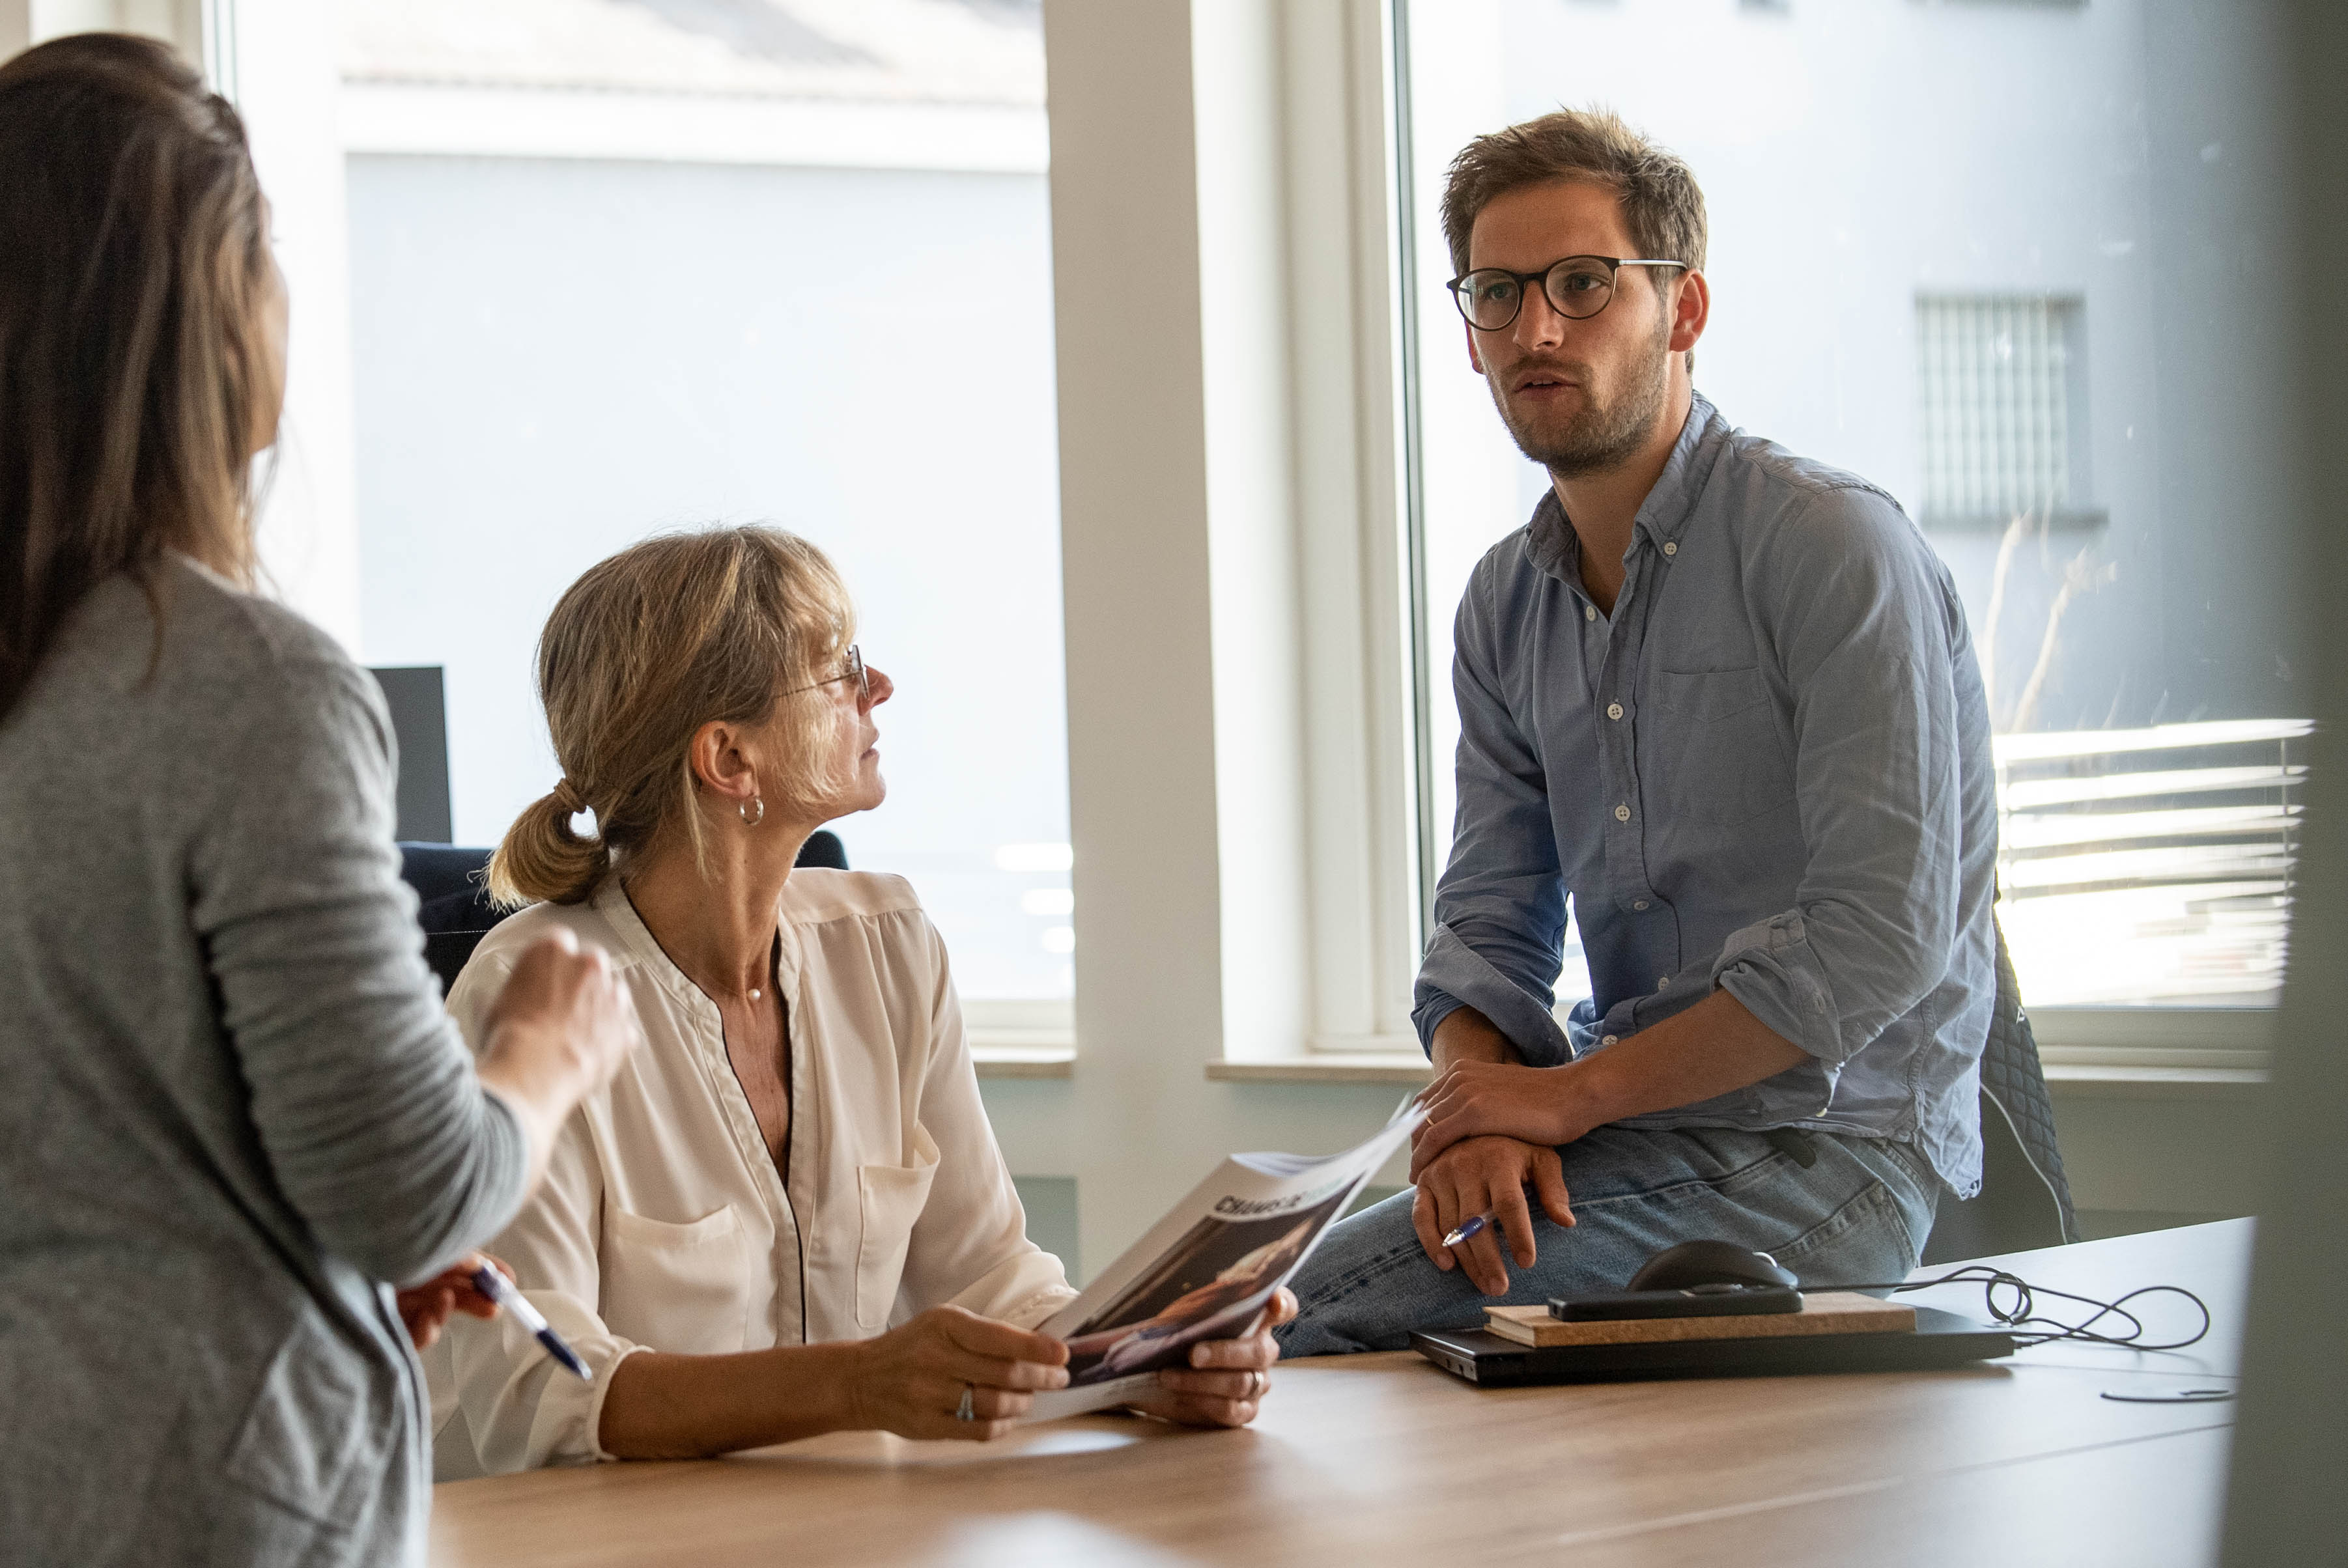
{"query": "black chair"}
(2025, 1199)
(454, 908)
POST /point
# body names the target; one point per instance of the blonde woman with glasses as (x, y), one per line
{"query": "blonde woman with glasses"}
(787, 1214)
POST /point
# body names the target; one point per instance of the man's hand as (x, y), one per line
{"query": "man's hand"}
(1481, 1175)
(1715, 1047)
(1487, 1099)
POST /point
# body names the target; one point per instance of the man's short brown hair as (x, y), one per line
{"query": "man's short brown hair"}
(1662, 204)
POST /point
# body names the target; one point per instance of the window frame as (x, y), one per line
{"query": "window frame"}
(1359, 512)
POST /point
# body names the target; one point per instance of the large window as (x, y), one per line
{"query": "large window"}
(622, 265)
(2014, 262)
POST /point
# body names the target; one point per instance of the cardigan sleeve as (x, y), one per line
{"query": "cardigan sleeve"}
(366, 1105)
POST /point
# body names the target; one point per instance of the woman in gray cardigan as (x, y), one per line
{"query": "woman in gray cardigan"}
(231, 1106)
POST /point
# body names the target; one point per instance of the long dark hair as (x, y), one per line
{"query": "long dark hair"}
(134, 265)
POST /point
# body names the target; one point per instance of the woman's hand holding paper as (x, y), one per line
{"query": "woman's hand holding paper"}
(912, 1380)
(1227, 1379)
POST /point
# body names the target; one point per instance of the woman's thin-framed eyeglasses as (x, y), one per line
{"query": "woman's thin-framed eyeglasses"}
(1578, 287)
(855, 671)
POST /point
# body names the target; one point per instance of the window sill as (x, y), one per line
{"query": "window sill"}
(1327, 1067)
(2065, 1080)
(1023, 1053)
(1014, 1039)
(2072, 1081)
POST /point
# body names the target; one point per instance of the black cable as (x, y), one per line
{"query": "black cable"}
(2021, 1309)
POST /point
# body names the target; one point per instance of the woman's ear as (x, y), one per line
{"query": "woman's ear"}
(721, 765)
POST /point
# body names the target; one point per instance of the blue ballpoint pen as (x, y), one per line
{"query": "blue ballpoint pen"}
(498, 1288)
(1469, 1229)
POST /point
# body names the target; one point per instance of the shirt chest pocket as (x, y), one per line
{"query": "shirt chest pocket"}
(1712, 746)
(892, 1198)
(677, 1288)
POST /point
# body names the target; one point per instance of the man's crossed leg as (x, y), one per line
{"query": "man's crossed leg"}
(1857, 1211)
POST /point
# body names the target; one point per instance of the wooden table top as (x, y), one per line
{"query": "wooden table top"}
(1379, 1459)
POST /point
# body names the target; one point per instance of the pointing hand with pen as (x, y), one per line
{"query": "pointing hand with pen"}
(426, 1307)
(478, 1286)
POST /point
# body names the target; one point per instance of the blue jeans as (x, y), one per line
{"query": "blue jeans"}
(1859, 1212)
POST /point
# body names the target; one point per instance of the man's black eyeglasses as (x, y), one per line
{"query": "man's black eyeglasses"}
(1578, 287)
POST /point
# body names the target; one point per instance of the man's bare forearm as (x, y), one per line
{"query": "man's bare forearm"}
(1715, 1047)
(1467, 1035)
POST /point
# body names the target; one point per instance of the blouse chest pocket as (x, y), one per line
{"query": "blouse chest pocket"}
(1712, 747)
(892, 1198)
(677, 1288)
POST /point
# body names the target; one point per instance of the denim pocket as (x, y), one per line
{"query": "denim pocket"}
(1864, 1241)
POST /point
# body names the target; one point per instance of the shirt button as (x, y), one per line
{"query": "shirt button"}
(1664, 984)
(1589, 612)
(1640, 905)
(1613, 710)
(1622, 813)
(1671, 549)
(1608, 1041)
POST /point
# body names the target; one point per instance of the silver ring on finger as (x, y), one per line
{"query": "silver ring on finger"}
(967, 1411)
(1262, 1384)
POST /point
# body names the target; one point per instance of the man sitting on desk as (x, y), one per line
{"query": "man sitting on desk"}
(1723, 697)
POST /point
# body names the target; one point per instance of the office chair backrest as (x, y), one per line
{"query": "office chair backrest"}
(2025, 1199)
(454, 908)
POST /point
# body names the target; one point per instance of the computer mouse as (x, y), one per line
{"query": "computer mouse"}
(1694, 1263)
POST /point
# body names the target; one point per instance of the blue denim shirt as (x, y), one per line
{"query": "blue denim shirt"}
(1768, 771)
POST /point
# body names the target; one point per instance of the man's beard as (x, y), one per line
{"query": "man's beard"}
(1603, 436)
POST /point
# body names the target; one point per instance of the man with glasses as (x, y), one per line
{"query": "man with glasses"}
(1724, 698)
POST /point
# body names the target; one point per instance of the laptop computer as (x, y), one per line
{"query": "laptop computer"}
(1941, 1340)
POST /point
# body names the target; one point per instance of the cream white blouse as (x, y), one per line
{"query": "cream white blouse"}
(662, 1223)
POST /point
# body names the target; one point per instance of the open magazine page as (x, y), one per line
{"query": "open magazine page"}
(1206, 1269)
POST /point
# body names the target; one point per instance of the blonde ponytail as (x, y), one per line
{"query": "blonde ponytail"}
(737, 624)
(543, 860)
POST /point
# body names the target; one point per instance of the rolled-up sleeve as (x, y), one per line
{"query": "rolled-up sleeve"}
(518, 1410)
(1860, 620)
(1499, 908)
